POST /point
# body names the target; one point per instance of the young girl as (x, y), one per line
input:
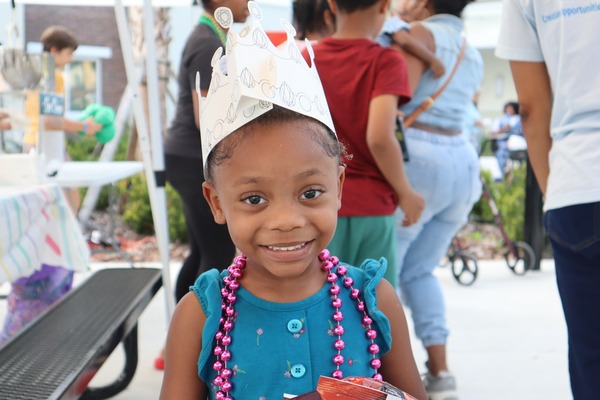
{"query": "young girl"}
(286, 311)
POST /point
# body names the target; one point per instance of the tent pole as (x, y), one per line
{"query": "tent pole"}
(157, 195)
(161, 222)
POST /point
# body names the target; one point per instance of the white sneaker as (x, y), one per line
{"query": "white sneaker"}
(440, 387)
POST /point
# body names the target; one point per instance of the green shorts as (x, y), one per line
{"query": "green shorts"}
(359, 238)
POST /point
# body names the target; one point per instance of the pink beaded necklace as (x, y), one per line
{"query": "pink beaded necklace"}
(223, 335)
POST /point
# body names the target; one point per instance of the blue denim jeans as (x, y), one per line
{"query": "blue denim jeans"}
(502, 154)
(574, 233)
(444, 170)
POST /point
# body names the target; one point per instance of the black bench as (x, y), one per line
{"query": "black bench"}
(56, 356)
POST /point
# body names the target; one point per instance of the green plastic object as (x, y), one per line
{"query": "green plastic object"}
(103, 115)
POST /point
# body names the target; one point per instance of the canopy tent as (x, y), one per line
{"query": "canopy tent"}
(150, 138)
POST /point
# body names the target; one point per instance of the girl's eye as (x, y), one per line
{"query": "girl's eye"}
(311, 194)
(254, 200)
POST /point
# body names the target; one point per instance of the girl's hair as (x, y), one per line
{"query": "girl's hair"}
(452, 7)
(349, 6)
(58, 37)
(308, 16)
(317, 130)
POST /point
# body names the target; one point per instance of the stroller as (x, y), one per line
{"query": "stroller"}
(519, 256)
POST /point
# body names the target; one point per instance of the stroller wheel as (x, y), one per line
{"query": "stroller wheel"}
(464, 268)
(521, 259)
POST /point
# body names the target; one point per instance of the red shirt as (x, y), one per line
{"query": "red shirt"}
(353, 72)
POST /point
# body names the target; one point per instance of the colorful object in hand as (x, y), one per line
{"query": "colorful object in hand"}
(103, 115)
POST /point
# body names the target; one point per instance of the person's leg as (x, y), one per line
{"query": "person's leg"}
(189, 267)
(342, 244)
(574, 233)
(502, 156)
(446, 173)
(421, 291)
(359, 238)
(379, 240)
(210, 244)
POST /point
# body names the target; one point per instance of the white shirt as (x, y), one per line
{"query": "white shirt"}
(565, 34)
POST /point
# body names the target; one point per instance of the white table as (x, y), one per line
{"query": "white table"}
(94, 173)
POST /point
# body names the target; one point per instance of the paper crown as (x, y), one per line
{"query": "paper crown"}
(252, 76)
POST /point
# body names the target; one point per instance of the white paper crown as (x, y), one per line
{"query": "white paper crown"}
(252, 76)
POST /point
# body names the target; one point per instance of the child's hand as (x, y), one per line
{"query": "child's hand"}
(412, 203)
(92, 127)
(438, 68)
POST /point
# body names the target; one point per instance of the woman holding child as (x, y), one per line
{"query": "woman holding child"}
(443, 167)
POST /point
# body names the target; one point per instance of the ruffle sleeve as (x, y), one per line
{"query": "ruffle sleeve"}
(208, 291)
(373, 273)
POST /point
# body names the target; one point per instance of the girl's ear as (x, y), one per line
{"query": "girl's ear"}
(212, 197)
(341, 177)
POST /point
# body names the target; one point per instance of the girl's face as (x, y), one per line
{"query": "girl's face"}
(279, 194)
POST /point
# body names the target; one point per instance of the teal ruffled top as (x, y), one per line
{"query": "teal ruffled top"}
(282, 348)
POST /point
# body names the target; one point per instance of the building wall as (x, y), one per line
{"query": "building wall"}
(92, 26)
(497, 87)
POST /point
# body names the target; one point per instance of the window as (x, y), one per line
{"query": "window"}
(83, 77)
(82, 86)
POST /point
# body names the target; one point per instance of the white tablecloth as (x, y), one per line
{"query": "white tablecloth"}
(37, 226)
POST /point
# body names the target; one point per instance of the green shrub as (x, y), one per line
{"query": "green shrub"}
(87, 149)
(132, 192)
(509, 196)
(138, 213)
(81, 148)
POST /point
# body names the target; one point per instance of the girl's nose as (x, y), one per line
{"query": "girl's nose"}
(286, 217)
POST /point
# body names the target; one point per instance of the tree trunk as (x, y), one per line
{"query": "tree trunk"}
(162, 39)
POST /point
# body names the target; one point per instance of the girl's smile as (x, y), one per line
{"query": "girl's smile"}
(281, 210)
(290, 252)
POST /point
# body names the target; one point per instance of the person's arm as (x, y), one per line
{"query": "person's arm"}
(4, 122)
(410, 44)
(415, 66)
(398, 366)
(184, 343)
(383, 145)
(89, 126)
(535, 102)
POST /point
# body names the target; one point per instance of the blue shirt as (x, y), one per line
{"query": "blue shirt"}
(448, 111)
(282, 348)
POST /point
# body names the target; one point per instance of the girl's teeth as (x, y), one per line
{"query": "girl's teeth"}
(289, 248)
